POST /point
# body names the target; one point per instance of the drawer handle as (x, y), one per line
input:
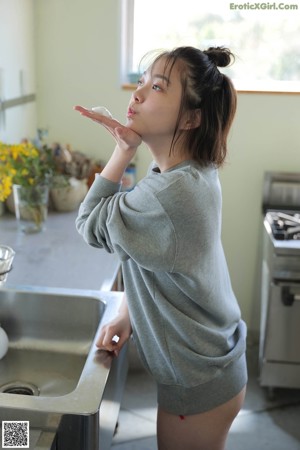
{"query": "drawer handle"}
(287, 297)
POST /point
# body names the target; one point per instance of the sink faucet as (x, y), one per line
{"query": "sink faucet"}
(7, 255)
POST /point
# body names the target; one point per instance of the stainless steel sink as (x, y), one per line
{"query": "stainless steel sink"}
(53, 375)
(49, 339)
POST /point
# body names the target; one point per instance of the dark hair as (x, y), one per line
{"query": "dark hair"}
(206, 89)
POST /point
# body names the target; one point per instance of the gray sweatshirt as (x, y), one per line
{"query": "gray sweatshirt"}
(185, 318)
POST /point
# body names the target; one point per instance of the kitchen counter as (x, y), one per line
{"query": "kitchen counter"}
(57, 256)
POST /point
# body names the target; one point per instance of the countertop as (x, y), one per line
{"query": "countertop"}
(57, 256)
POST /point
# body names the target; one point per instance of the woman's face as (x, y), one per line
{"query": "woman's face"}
(154, 106)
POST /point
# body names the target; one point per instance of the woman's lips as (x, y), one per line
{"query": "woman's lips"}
(130, 112)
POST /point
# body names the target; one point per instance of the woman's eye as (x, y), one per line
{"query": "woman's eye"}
(155, 87)
(140, 82)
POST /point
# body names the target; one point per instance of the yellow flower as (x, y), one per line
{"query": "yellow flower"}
(23, 164)
(5, 187)
(24, 172)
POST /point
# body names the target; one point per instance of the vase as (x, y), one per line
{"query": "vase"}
(31, 207)
(2, 208)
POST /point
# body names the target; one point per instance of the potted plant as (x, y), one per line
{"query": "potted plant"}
(26, 173)
(72, 170)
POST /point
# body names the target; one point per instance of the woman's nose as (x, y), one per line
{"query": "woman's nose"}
(138, 95)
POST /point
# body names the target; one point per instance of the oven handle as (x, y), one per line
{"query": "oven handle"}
(287, 297)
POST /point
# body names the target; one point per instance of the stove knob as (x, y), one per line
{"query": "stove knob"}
(286, 296)
(279, 234)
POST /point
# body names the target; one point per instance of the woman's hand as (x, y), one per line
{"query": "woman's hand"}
(125, 138)
(116, 333)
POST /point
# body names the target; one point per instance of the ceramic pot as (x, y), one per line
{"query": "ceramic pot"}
(68, 198)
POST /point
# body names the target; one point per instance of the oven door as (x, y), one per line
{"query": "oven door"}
(283, 323)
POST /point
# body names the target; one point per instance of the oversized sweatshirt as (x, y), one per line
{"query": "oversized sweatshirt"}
(185, 317)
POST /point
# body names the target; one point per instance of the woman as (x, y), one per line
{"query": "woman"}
(178, 302)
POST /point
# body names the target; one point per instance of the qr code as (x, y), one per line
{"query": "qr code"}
(15, 434)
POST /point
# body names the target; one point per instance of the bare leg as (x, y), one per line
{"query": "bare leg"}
(206, 431)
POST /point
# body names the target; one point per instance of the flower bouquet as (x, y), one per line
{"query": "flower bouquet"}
(26, 171)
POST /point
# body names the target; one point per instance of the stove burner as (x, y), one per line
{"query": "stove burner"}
(284, 226)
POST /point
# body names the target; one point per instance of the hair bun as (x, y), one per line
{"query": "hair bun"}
(220, 56)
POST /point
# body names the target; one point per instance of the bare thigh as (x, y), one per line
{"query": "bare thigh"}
(205, 431)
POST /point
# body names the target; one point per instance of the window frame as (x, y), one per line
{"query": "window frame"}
(127, 40)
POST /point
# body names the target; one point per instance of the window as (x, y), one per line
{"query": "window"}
(264, 36)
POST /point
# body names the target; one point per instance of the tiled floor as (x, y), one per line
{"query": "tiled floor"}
(263, 424)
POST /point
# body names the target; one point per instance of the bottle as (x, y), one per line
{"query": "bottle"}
(129, 178)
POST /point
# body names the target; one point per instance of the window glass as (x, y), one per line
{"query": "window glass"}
(265, 37)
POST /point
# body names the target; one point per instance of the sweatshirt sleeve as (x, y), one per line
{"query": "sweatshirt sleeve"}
(133, 224)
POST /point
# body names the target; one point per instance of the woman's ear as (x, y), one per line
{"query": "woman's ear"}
(192, 119)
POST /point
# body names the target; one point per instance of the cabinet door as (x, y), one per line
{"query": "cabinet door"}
(282, 340)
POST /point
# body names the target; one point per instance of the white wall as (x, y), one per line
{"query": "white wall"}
(17, 54)
(78, 62)
(265, 136)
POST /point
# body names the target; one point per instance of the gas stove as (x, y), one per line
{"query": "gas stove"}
(279, 352)
(284, 226)
(281, 208)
